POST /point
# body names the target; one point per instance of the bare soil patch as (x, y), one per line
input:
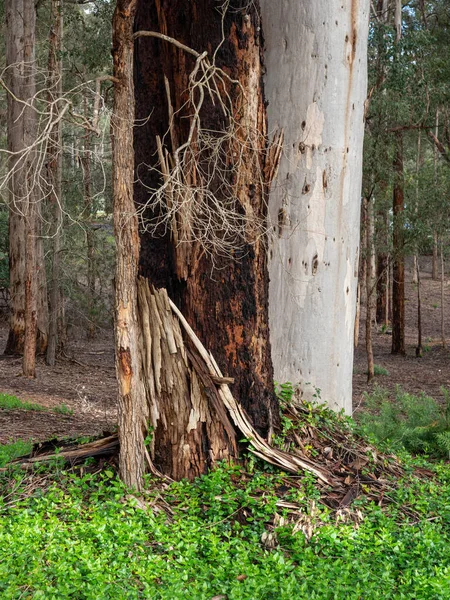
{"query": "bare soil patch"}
(86, 387)
(415, 375)
(85, 383)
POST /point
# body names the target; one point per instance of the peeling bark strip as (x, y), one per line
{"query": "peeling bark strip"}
(191, 428)
(225, 299)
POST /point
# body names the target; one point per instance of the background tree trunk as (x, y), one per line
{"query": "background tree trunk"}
(370, 287)
(416, 275)
(14, 61)
(419, 348)
(29, 191)
(316, 87)
(54, 174)
(24, 200)
(133, 411)
(224, 298)
(90, 235)
(444, 343)
(434, 264)
(435, 257)
(398, 270)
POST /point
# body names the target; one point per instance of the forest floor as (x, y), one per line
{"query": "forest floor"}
(414, 375)
(84, 383)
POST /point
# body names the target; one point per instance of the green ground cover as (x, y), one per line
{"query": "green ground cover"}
(87, 537)
(80, 534)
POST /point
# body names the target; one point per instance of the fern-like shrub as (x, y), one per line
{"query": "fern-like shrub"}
(420, 423)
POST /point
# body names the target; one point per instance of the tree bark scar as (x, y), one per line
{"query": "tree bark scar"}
(125, 370)
(354, 37)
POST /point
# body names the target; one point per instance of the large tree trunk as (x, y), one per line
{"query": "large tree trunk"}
(316, 88)
(23, 201)
(398, 270)
(221, 290)
(165, 401)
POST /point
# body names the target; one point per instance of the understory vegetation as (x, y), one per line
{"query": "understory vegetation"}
(242, 532)
(9, 402)
(418, 423)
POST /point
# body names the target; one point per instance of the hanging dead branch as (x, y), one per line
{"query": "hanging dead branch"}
(200, 198)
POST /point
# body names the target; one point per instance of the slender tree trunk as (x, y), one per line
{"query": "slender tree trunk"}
(54, 174)
(30, 192)
(133, 412)
(419, 313)
(434, 267)
(382, 288)
(370, 288)
(316, 88)
(42, 295)
(444, 343)
(90, 235)
(362, 269)
(382, 302)
(398, 272)
(415, 277)
(389, 295)
(435, 258)
(414, 269)
(357, 315)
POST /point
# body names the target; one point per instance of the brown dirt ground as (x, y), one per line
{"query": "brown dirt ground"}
(427, 374)
(88, 389)
(86, 384)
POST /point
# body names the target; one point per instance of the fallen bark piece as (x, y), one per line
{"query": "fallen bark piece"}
(102, 447)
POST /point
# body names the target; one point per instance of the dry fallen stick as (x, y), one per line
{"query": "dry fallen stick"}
(104, 446)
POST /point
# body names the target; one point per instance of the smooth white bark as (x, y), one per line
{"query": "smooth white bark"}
(316, 85)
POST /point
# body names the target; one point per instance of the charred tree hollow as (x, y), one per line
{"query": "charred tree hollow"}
(224, 296)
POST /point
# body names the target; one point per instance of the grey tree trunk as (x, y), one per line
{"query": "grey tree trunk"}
(316, 85)
(398, 19)
(54, 174)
